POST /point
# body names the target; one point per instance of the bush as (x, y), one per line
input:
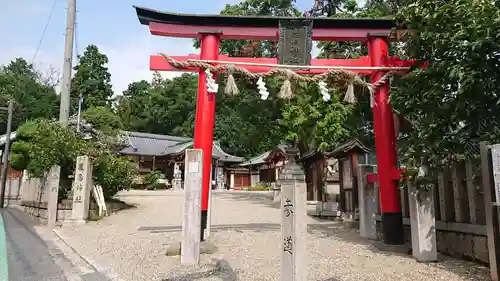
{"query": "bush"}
(261, 186)
(157, 186)
(114, 173)
(151, 179)
(42, 144)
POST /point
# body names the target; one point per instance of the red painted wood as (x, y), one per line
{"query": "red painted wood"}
(159, 63)
(372, 178)
(258, 33)
(205, 117)
(383, 126)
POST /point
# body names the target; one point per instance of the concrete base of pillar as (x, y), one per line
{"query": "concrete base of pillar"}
(205, 248)
(177, 185)
(423, 224)
(325, 209)
(276, 194)
(70, 222)
(367, 212)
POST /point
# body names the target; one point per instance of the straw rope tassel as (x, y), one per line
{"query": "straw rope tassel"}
(372, 96)
(350, 97)
(286, 88)
(231, 87)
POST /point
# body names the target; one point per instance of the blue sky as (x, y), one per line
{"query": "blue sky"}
(111, 25)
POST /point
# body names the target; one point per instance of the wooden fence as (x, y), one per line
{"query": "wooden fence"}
(459, 209)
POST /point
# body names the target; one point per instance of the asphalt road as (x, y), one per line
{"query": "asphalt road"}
(29, 257)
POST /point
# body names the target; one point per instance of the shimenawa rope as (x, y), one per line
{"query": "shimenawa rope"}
(338, 75)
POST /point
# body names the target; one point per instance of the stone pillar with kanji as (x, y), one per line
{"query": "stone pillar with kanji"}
(294, 220)
(82, 186)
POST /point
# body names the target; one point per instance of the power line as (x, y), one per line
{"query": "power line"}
(44, 31)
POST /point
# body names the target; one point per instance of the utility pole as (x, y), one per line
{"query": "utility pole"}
(6, 152)
(68, 63)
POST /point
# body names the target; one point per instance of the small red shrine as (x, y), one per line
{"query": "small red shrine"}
(211, 29)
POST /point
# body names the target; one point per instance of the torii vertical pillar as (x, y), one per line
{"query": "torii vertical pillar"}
(204, 124)
(385, 146)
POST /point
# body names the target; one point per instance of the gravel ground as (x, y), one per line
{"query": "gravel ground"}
(245, 227)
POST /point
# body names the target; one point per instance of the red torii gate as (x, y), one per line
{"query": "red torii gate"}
(212, 28)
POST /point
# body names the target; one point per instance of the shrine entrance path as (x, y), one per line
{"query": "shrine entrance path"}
(246, 227)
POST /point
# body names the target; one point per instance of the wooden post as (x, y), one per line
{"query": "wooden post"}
(423, 224)
(460, 195)
(471, 191)
(367, 203)
(209, 213)
(294, 220)
(191, 231)
(53, 188)
(446, 198)
(490, 170)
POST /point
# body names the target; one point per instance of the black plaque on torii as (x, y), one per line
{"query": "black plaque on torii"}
(295, 42)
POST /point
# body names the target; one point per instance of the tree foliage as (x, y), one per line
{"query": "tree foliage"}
(454, 102)
(92, 80)
(31, 91)
(314, 123)
(42, 144)
(113, 172)
(451, 105)
(162, 106)
(103, 119)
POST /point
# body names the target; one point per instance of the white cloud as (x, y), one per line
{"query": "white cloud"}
(128, 63)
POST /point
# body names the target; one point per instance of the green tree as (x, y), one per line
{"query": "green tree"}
(113, 173)
(103, 119)
(255, 48)
(92, 80)
(314, 123)
(42, 144)
(33, 95)
(453, 103)
(306, 119)
(162, 106)
(131, 106)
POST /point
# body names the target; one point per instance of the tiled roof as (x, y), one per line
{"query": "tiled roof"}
(162, 145)
(257, 159)
(344, 148)
(217, 151)
(146, 144)
(149, 144)
(261, 159)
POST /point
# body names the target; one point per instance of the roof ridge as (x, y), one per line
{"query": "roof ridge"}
(156, 136)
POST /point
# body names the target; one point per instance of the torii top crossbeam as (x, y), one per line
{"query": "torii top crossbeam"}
(213, 28)
(259, 27)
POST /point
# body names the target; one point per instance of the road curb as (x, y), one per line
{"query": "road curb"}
(96, 267)
(4, 265)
